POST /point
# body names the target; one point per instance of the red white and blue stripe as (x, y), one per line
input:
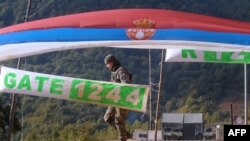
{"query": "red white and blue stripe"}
(108, 29)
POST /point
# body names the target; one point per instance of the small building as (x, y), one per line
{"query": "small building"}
(193, 126)
(190, 125)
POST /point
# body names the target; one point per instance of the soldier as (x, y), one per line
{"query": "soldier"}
(114, 116)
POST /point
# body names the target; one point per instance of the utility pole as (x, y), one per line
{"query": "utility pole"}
(150, 92)
(245, 95)
(231, 114)
(13, 102)
(158, 98)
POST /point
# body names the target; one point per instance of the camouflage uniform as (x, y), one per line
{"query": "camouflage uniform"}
(114, 116)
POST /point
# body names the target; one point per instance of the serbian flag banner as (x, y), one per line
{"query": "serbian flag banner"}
(124, 28)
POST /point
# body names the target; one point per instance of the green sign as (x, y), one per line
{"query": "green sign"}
(191, 55)
(128, 96)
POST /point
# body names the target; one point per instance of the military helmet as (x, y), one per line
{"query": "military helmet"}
(110, 58)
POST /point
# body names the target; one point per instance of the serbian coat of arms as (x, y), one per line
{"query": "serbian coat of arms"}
(144, 29)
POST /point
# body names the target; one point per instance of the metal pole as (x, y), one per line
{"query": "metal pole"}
(231, 114)
(27, 11)
(158, 97)
(12, 110)
(245, 95)
(13, 102)
(150, 92)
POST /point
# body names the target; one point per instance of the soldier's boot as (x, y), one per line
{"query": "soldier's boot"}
(129, 136)
(121, 132)
(120, 116)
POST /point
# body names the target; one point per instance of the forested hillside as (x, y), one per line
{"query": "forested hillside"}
(187, 87)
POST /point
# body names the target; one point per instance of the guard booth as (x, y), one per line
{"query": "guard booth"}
(190, 125)
(193, 126)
